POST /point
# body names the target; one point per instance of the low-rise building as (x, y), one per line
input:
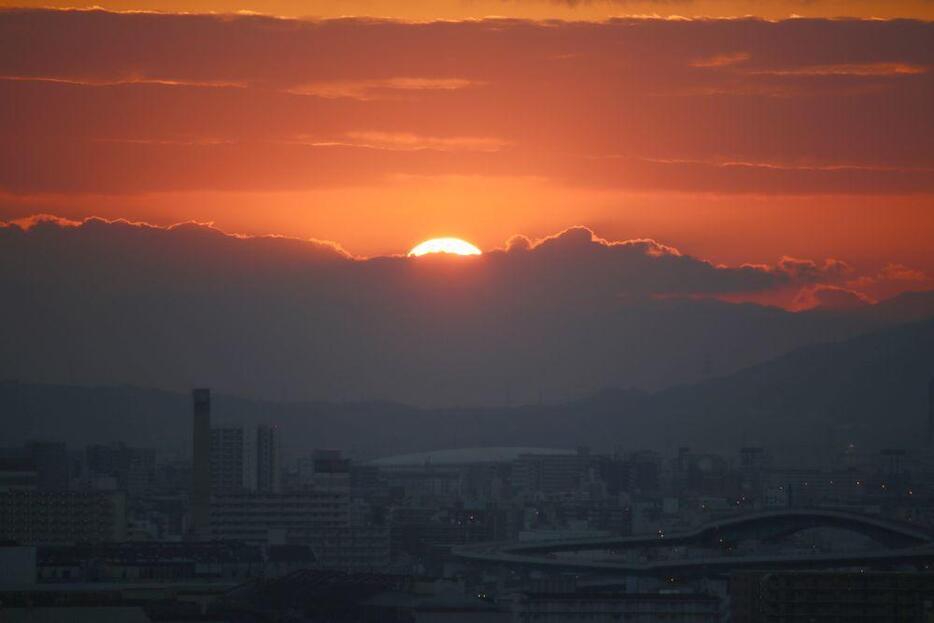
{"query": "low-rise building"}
(260, 518)
(607, 607)
(150, 562)
(319, 519)
(61, 517)
(792, 596)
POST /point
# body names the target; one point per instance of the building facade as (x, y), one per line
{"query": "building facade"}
(62, 517)
(792, 596)
(268, 459)
(201, 462)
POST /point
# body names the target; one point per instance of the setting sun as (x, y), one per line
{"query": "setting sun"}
(454, 246)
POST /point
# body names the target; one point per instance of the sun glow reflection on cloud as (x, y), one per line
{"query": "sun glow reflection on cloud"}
(453, 246)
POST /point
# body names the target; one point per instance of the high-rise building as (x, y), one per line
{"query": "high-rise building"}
(931, 413)
(228, 460)
(140, 475)
(267, 459)
(201, 464)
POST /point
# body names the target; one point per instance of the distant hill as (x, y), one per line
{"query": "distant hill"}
(871, 390)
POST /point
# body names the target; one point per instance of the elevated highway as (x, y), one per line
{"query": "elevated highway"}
(898, 544)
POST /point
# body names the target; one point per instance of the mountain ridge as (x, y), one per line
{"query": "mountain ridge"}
(821, 392)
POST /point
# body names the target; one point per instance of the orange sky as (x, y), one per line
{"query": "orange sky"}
(527, 9)
(733, 140)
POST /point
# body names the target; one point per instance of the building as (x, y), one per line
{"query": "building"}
(552, 473)
(358, 548)
(47, 459)
(150, 562)
(367, 482)
(17, 474)
(106, 459)
(140, 476)
(132, 469)
(319, 595)
(76, 614)
(105, 602)
(427, 481)
(268, 459)
(607, 607)
(644, 472)
(791, 596)
(46, 517)
(753, 461)
(201, 463)
(325, 470)
(229, 461)
(53, 470)
(244, 462)
(17, 565)
(320, 519)
(285, 559)
(263, 518)
(802, 487)
(931, 413)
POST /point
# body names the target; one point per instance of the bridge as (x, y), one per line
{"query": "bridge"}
(898, 544)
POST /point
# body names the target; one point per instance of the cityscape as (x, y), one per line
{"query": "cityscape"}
(241, 531)
(466, 311)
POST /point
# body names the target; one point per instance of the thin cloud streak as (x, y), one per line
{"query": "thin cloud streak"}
(384, 88)
(870, 70)
(88, 82)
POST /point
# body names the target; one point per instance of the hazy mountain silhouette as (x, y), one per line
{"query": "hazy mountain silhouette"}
(870, 390)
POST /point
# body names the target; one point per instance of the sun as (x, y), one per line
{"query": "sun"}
(454, 246)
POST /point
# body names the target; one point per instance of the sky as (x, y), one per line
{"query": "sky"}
(739, 133)
(578, 10)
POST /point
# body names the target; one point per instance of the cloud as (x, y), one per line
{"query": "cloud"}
(98, 301)
(721, 60)
(900, 272)
(868, 70)
(639, 267)
(891, 279)
(40, 220)
(383, 88)
(112, 82)
(831, 297)
(800, 270)
(41, 229)
(401, 141)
